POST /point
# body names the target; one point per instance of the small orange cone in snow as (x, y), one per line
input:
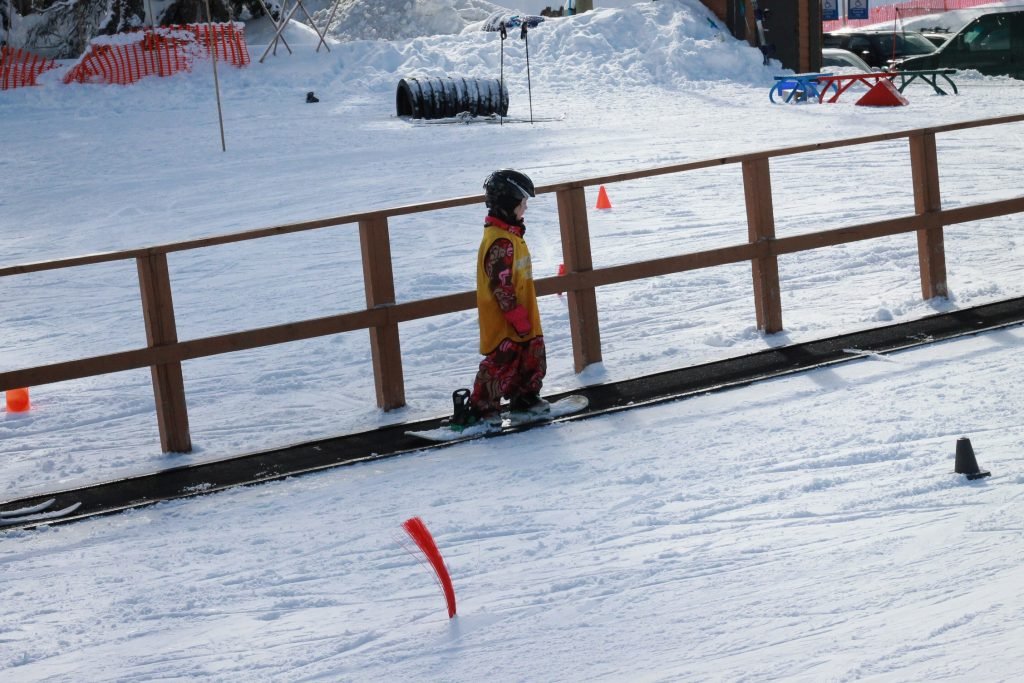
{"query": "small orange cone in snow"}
(602, 199)
(17, 400)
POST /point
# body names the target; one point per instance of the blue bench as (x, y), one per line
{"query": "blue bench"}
(800, 87)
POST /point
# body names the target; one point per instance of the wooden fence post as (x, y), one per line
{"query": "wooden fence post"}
(583, 322)
(931, 251)
(757, 192)
(379, 282)
(168, 383)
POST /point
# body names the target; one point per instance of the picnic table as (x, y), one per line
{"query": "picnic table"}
(929, 76)
(801, 87)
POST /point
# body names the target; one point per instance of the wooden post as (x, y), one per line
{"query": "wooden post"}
(757, 191)
(804, 26)
(750, 24)
(583, 322)
(931, 251)
(168, 383)
(379, 282)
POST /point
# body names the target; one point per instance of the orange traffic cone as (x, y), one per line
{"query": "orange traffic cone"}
(602, 199)
(17, 400)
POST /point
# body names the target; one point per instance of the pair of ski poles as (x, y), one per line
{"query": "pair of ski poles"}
(524, 35)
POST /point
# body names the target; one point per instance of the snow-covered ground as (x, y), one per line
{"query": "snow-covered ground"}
(806, 529)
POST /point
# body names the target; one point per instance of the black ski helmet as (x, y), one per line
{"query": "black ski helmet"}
(505, 188)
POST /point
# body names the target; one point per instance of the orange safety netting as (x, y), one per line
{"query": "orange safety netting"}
(902, 10)
(162, 51)
(19, 68)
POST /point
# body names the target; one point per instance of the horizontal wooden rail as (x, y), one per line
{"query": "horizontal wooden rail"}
(383, 315)
(464, 301)
(438, 205)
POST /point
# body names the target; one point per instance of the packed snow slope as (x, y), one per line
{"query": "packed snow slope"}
(103, 168)
(805, 529)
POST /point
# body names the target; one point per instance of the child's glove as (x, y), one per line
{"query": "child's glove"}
(518, 318)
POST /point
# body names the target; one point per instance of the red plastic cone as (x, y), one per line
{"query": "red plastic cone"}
(883, 94)
(602, 199)
(17, 400)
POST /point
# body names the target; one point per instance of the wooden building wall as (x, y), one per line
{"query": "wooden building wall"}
(792, 26)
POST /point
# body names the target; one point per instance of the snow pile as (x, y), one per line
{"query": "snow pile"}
(672, 42)
(402, 19)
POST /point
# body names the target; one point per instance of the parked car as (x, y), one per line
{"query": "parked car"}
(836, 57)
(992, 44)
(878, 48)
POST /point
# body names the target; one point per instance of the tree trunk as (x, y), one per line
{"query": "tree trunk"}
(194, 11)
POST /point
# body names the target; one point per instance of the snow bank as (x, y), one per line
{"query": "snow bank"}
(672, 42)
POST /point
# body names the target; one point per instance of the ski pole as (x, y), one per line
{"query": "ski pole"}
(501, 78)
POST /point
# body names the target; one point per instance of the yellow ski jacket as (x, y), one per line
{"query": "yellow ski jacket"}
(505, 281)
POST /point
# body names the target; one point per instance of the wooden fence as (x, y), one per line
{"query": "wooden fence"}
(164, 352)
(901, 11)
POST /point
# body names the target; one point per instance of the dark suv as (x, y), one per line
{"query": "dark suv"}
(992, 44)
(876, 47)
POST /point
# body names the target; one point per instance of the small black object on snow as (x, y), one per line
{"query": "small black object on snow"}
(310, 97)
(966, 463)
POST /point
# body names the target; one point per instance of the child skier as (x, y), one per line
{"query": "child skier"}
(511, 339)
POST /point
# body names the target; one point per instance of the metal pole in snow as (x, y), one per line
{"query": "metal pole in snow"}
(216, 83)
(529, 88)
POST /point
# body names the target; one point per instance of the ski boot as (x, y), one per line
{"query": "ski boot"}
(528, 405)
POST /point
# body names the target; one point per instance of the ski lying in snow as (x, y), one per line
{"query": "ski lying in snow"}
(467, 118)
(35, 513)
(510, 421)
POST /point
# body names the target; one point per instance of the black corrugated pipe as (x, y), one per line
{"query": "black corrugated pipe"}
(441, 98)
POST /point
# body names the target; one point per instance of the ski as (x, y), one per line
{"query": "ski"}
(568, 405)
(446, 434)
(36, 513)
(30, 510)
(762, 44)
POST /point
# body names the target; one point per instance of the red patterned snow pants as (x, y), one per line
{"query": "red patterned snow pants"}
(511, 370)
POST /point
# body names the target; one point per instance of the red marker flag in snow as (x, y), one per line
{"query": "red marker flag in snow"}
(418, 532)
